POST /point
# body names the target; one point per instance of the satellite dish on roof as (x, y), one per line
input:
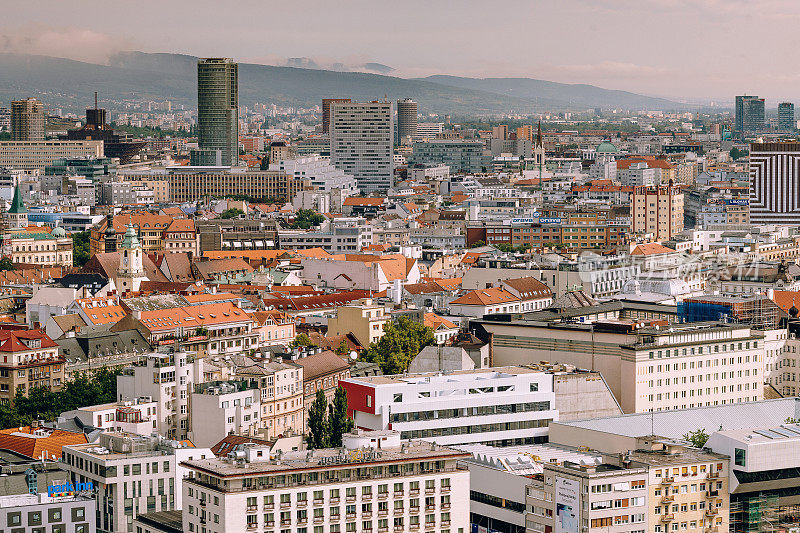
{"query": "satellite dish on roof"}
(353, 355)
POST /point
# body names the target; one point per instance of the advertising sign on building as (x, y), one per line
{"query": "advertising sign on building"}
(567, 491)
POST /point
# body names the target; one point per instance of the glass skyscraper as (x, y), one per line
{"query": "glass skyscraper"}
(218, 108)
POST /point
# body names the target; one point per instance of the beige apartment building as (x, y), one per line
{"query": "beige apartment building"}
(281, 386)
(657, 210)
(27, 120)
(36, 155)
(160, 188)
(39, 248)
(364, 320)
(647, 368)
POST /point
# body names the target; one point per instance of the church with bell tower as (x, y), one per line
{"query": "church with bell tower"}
(131, 269)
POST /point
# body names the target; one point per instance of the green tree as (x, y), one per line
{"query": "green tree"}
(318, 425)
(343, 348)
(307, 218)
(80, 248)
(401, 342)
(338, 421)
(696, 438)
(233, 212)
(505, 247)
(301, 340)
(477, 244)
(6, 264)
(735, 153)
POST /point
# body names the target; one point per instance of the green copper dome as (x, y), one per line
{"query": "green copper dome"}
(606, 147)
(130, 240)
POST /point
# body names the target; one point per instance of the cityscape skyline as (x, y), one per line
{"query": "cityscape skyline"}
(442, 42)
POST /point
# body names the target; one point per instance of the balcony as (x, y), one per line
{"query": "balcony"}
(667, 498)
(414, 527)
(366, 496)
(399, 510)
(251, 526)
(667, 517)
(413, 492)
(318, 502)
(350, 499)
(350, 516)
(398, 494)
(271, 523)
(383, 529)
(251, 508)
(712, 493)
(302, 521)
(414, 510)
(398, 529)
(667, 480)
(713, 475)
(334, 518)
(383, 512)
(445, 523)
(302, 503)
(269, 506)
(445, 489)
(383, 495)
(366, 514)
(429, 490)
(319, 519)
(286, 505)
(335, 500)
(445, 506)
(430, 507)
(286, 522)
(711, 511)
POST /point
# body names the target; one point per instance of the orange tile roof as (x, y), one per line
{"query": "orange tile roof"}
(166, 320)
(491, 296)
(653, 248)
(102, 310)
(12, 340)
(786, 299)
(38, 443)
(358, 200)
(434, 321)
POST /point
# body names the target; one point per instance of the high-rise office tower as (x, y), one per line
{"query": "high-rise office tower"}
(326, 112)
(749, 114)
(786, 121)
(406, 120)
(775, 183)
(27, 120)
(362, 142)
(218, 108)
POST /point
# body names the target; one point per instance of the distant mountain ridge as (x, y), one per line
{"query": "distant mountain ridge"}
(70, 84)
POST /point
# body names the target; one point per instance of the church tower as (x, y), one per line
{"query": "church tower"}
(110, 236)
(17, 213)
(131, 270)
(538, 151)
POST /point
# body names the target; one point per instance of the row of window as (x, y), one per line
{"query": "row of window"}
(479, 428)
(482, 410)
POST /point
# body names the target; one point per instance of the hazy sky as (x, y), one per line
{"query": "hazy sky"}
(710, 49)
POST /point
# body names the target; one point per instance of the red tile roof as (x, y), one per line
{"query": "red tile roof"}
(38, 443)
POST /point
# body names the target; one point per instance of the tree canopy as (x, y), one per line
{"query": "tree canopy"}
(80, 248)
(401, 342)
(697, 438)
(233, 212)
(306, 219)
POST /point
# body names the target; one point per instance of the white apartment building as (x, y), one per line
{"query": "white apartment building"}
(223, 408)
(423, 173)
(323, 175)
(167, 379)
(132, 475)
(373, 484)
(637, 174)
(493, 405)
(341, 235)
(655, 368)
(36, 155)
(36, 513)
(362, 142)
(138, 416)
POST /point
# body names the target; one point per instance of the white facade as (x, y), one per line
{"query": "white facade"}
(132, 416)
(132, 474)
(362, 142)
(476, 406)
(223, 409)
(415, 487)
(323, 175)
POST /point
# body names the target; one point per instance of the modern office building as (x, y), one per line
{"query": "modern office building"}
(27, 120)
(37, 155)
(406, 120)
(498, 406)
(132, 475)
(752, 114)
(651, 368)
(460, 155)
(362, 142)
(786, 120)
(323, 175)
(187, 184)
(326, 111)
(742, 120)
(774, 183)
(657, 210)
(373, 483)
(66, 511)
(218, 107)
